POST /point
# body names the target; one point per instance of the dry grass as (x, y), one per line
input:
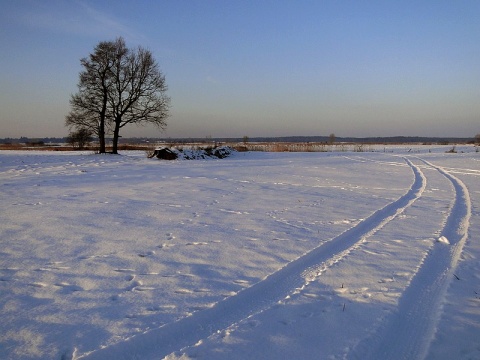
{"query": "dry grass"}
(251, 146)
(47, 147)
(300, 147)
(36, 147)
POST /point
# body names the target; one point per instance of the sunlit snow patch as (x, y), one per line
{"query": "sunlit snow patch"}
(443, 240)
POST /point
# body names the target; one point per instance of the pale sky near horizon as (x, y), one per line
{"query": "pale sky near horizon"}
(256, 68)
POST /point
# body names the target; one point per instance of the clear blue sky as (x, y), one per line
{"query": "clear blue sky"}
(256, 68)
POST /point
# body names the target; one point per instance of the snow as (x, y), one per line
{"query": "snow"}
(443, 240)
(339, 255)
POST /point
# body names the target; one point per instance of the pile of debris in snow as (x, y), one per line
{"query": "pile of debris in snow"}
(166, 153)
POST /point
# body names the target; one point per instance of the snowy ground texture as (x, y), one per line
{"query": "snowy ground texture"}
(260, 255)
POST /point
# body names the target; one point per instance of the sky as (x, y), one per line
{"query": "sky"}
(256, 68)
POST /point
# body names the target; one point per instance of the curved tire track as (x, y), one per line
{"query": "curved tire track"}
(410, 331)
(175, 336)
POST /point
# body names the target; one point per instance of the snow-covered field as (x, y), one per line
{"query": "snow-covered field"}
(257, 256)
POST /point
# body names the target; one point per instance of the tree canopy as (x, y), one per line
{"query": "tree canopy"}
(118, 86)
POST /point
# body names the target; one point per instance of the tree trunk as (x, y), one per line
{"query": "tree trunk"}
(116, 135)
(101, 132)
(101, 137)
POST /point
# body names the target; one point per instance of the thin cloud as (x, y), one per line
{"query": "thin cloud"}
(106, 23)
(76, 18)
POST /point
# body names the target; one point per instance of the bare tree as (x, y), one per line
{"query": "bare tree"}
(80, 138)
(89, 105)
(331, 138)
(139, 96)
(117, 87)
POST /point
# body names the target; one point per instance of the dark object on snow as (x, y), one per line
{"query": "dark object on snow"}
(165, 154)
(222, 152)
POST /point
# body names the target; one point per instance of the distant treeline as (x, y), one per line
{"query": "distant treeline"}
(367, 140)
(299, 139)
(33, 141)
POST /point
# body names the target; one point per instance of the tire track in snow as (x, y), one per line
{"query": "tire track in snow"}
(410, 331)
(157, 343)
